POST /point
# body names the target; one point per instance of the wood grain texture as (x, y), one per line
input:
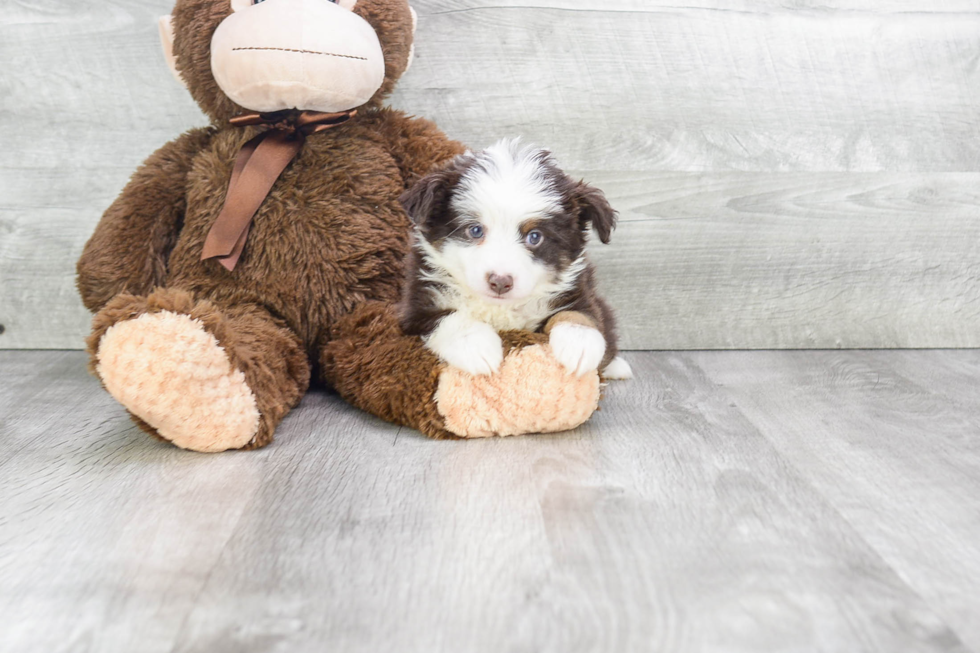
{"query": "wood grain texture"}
(85, 98)
(890, 439)
(677, 519)
(741, 6)
(688, 89)
(794, 260)
(760, 106)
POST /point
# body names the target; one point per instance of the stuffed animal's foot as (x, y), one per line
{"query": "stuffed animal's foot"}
(166, 369)
(532, 393)
(202, 376)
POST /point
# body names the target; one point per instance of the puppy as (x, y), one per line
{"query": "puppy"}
(499, 243)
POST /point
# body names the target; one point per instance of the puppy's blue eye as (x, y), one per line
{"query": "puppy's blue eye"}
(534, 238)
(475, 231)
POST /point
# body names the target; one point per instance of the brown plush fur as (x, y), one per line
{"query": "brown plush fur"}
(330, 236)
(129, 250)
(323, 260)
(382, 371)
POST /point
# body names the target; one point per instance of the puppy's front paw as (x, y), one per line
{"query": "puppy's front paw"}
(473, 347)
(618, 369)
(477, 350)
(579, 348)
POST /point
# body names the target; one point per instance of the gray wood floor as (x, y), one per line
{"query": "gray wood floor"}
(722, 501)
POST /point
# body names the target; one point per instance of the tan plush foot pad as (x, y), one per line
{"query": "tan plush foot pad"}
(532, 393)
(171, 373)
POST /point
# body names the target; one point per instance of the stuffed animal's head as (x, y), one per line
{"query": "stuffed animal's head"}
(270, 55)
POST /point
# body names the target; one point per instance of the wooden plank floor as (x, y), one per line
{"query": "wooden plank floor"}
(722, 501)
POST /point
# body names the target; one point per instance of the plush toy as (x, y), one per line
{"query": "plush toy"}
(243, 257)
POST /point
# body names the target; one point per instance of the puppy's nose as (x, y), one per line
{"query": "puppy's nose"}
(501, 284)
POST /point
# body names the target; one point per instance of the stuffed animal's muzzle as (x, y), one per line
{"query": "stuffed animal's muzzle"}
(296, 54)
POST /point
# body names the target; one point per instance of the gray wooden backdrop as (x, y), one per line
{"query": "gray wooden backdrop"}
(790, 173)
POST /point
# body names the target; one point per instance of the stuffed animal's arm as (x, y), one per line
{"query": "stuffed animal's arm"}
(418, 146)
(132, 242)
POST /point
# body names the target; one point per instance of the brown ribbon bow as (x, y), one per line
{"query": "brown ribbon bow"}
(257, 167)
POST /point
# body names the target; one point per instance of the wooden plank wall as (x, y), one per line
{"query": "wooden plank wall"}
(790, 173)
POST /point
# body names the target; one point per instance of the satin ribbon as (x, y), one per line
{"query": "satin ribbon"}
(257, 167)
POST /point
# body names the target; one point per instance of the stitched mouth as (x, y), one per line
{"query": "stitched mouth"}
(326, 54)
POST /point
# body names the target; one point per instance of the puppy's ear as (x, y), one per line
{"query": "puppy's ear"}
(427, 196)
(594, 210)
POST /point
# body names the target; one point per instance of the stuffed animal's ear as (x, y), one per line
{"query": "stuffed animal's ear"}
(166, 25)
(429, 195)
(594, 210)
(411, 50)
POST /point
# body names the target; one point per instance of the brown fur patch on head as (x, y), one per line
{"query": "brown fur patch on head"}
(195, 22)
(427, 203)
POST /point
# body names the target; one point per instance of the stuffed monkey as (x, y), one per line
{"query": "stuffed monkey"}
(245, 256)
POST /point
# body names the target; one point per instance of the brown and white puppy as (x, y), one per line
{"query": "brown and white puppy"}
(499, 244)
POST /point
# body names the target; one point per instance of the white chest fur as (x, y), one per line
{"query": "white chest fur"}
(528, 315)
